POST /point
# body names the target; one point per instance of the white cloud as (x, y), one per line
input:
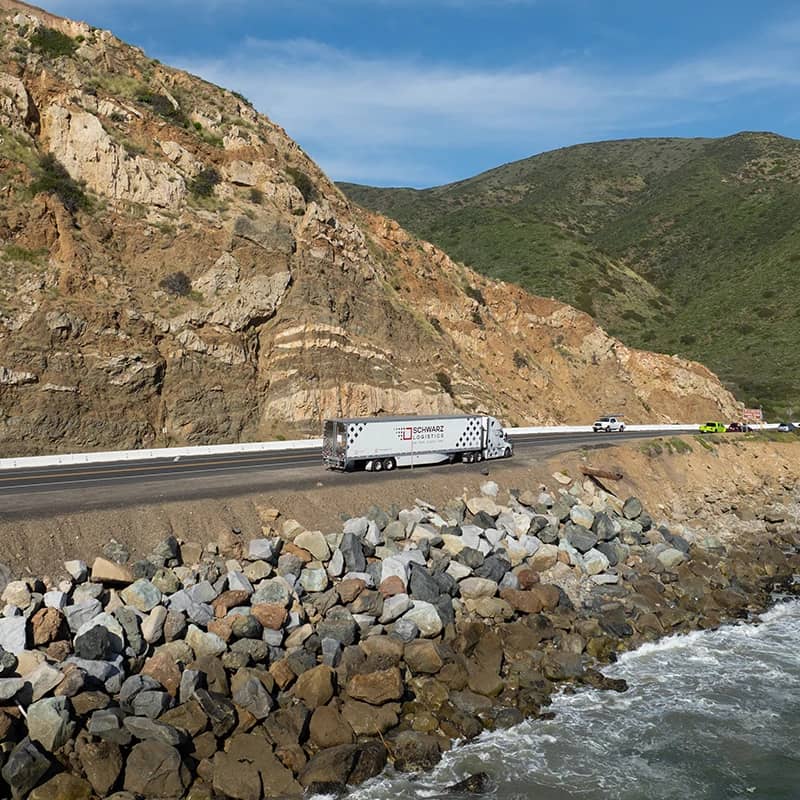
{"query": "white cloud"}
(354, 113)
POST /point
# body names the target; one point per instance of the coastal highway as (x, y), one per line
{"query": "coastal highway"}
(46, 491)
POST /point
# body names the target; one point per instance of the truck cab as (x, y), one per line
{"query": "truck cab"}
(609, 424)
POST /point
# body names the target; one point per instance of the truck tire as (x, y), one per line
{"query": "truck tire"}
(377, 465)
(479, 456)
(389, 464)
(507, 453)
(621, 428)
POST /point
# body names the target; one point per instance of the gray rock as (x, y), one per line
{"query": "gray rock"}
(202, 592)
(133, 686)
(204, 643)
(166, 551)
(422, 585)
(405, 629)
(249, 693)
(55, 599)
(580, 538)
(671, 558)
(130, 622)
(582, 515)
(166, 581)
(150, 703)
(191, 681)
(116, 552)
(25, 768)
(97, 644)
(9, 687)
(353, 553)
(148, 730)
(632, 508)
(339, 625)
(356, 526)
(272, 590)
(79, 614)
(77, 569)
(314, 579)
(8, 662)
(425, 616)
(49, 723)
(13, 634)
(609, 551)
(238, 582)
(107, 724)
(142, 595)
(260, 550)
(332, 650)
(494, 568)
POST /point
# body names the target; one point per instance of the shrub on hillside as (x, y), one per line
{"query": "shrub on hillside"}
(161, 104)
(52, 43)
(444, 381)
(178, 283)
(204, 182)
(303, 183)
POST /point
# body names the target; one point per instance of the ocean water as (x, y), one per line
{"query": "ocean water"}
(713, 715)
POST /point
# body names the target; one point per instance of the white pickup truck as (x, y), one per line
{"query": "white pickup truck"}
(609, 425)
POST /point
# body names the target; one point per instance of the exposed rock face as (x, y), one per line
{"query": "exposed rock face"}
(294, 305)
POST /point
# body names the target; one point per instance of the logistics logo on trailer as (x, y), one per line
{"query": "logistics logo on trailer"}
(419, 433)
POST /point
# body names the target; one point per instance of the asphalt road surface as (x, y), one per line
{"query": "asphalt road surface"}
(47, 491)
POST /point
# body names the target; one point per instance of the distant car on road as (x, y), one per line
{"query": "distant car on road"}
(738, 427)
(713, 427)
(609, 425)
(788, 427)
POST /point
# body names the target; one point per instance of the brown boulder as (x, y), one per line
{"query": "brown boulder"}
(270, 615)
(102, 764)
(228, 600)
(377, 688)
(527, 578)
(315, 687)
(367, 720)
(548, 595)
(165, 670)
(329, 729)
(155, 769)
(48, 626)
(423, 657)
(415, 752)
(391, 586)
(348, 763)
(62, 787)
(525, 602)
(349, 589)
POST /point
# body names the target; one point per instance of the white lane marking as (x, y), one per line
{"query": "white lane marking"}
(223, 468)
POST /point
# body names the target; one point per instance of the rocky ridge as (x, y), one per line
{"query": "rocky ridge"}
(176, 270)
(306, 660)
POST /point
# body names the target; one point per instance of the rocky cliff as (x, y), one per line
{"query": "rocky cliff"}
(176, 270)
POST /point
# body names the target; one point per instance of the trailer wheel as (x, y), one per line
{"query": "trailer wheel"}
(467, 458)
(377, 465)
(479, 456)
(389, 464)
(507, 453)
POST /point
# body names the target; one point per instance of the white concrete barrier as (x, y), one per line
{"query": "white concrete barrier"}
(32, 462)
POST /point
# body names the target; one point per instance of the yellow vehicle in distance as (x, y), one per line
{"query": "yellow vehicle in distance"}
(713, 427)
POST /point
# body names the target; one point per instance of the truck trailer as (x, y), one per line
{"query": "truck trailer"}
(383, 443)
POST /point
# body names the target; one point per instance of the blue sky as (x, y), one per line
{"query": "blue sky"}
(423, 92)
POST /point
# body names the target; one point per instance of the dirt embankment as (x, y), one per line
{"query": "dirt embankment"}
(688, 479)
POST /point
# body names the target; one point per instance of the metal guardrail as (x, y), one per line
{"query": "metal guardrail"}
(31, 462)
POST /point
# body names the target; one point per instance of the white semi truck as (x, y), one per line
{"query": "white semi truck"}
(383, 443)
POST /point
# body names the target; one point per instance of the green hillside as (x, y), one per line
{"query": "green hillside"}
(688, 246)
